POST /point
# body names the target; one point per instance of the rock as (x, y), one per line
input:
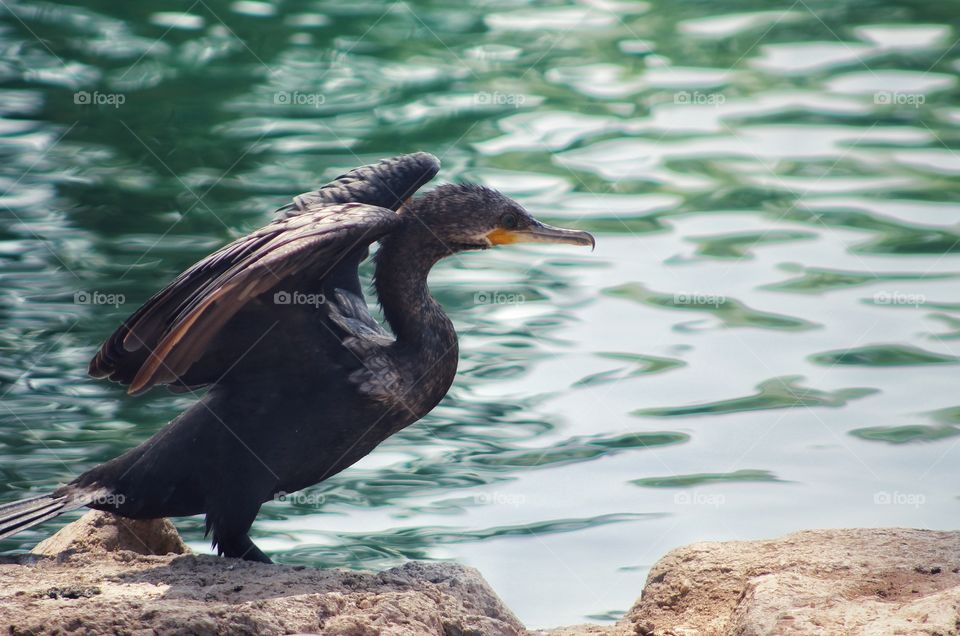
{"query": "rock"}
(103, 532)
(871, 582)
(112, 575)
(619, 629)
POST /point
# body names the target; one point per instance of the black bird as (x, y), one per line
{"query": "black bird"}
(302, 380)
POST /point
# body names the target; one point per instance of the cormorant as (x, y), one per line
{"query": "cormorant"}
(302, 380)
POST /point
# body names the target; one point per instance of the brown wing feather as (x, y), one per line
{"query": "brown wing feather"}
(128, 347)
(160, 342)
(385, 184)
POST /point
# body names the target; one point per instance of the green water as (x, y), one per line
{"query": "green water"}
(766, 339)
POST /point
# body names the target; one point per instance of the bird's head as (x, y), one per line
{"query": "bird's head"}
(464, 216)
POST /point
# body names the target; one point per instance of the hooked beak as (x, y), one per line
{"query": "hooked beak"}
(541, 233)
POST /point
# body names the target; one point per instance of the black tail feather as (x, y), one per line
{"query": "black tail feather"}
(26, 513)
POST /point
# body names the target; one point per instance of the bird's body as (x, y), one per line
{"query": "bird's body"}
(302, 380)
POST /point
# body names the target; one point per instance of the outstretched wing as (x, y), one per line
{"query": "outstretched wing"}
(387, 184)
(161, 341)
(316, 235)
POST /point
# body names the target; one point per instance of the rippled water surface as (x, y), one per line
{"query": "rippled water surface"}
(766, 338)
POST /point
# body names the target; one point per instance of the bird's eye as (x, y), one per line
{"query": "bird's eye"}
(509, 221)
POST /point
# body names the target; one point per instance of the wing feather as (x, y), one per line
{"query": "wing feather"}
(159, 342)
(386, 184)
(170, 335)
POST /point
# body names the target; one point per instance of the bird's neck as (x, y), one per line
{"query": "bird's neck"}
(402, 266)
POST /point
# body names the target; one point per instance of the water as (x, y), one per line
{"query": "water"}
(765, 340)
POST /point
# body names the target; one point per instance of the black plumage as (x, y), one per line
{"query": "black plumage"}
(302, 381)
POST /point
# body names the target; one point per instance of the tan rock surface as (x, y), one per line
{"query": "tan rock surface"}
(833, 582)
(104, 581)
(100, 532)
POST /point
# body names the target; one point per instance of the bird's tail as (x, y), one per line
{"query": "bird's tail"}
(26, 513)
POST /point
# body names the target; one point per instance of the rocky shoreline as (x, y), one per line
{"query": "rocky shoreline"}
(102, 575)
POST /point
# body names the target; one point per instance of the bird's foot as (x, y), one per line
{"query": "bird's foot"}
(242, 548)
